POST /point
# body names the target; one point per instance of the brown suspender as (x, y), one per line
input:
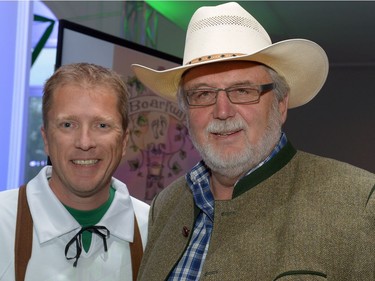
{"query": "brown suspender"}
(136, 250)
(24, 235)
(24, 239)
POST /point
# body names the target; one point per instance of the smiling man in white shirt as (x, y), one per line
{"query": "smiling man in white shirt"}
(85, 225)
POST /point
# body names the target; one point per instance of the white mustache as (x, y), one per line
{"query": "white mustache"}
(226, 126)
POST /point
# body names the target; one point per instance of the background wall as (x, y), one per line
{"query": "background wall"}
(15, 22)
(340, 121)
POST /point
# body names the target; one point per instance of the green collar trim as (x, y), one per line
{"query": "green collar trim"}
(268, 169)
(92, 217)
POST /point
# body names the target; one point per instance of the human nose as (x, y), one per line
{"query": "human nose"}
(85, 139)
(223, 107)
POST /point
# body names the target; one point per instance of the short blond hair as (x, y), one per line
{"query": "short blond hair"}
(89, 74)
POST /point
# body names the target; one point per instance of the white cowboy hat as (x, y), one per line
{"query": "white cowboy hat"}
(228, 32)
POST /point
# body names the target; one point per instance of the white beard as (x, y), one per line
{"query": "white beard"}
(234, 165)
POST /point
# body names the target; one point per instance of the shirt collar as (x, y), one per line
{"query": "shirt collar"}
(51, 219)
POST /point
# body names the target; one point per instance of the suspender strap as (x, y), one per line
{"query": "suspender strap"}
(136, 250)
(24, 235)
(24, 239)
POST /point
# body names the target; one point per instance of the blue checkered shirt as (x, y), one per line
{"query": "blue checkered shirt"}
(190, 265)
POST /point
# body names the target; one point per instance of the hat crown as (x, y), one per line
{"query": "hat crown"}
(222, 31)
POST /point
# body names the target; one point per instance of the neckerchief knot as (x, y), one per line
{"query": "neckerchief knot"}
(101, 231)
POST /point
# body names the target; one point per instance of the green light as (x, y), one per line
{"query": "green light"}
(179, 12)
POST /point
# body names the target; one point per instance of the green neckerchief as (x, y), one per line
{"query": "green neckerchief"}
(92, 217)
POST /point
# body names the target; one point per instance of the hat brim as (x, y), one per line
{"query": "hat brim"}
(302, 63)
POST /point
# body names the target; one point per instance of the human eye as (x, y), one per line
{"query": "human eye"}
(201, 96)
(107, 124)
(243, 94)
(243, 91)
(103, 125)
(66, 124)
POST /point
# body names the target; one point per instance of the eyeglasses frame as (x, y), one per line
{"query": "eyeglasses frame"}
(261, 89)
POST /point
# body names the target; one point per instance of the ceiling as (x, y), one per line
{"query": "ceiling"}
(344, 29)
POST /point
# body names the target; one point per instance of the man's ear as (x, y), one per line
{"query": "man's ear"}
(45, 141)
(283, 108)
(125, 142)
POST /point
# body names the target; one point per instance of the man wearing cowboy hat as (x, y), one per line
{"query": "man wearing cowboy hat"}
(254, 208)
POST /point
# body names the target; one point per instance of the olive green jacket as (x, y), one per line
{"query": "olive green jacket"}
(298, 217)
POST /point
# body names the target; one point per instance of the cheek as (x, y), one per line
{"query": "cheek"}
(197, 122)
(51, 142)
(116, 142)
(256, 122)
(199, 118)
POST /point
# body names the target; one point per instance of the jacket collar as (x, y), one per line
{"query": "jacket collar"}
(269, 168)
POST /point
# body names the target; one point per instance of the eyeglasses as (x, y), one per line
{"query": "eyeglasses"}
(245, 94)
